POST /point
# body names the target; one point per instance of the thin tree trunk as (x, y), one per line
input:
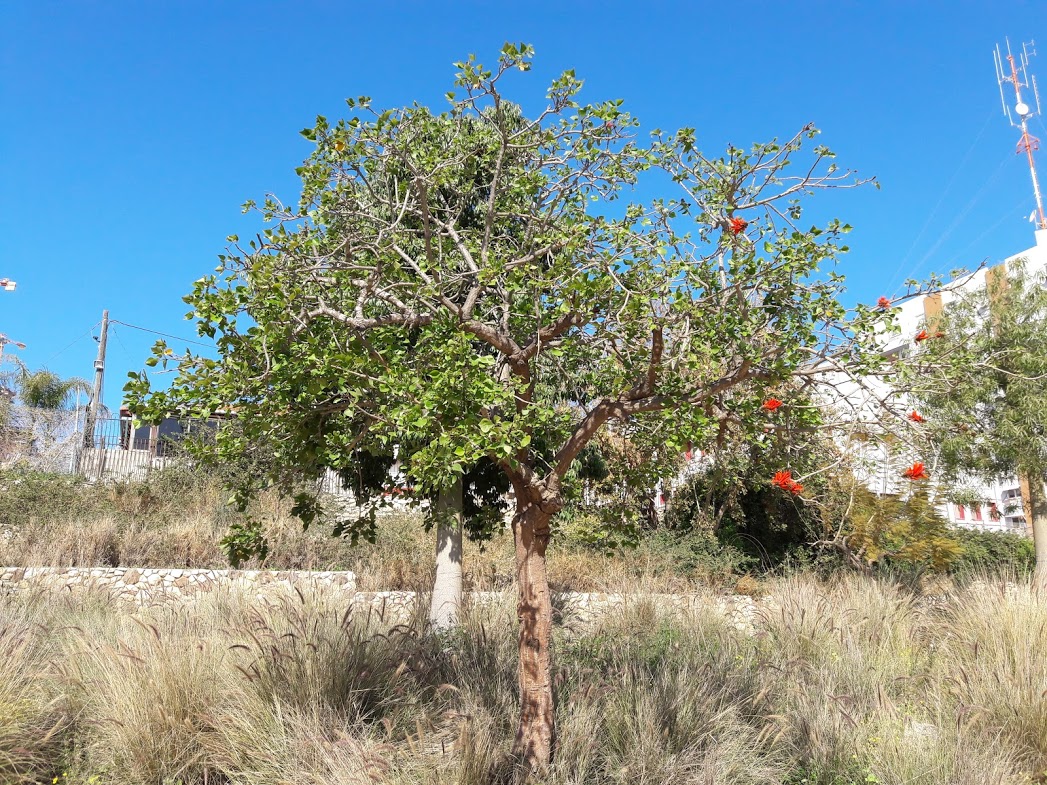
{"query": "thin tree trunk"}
(446, 601)
(536, 732)
(1034, 500)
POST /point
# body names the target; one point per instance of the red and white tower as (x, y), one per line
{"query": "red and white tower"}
(1013, 70)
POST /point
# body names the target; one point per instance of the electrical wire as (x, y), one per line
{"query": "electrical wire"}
(119, 340)
(958, 220)
(165, 335)
(948, 187)
(1009, 214)
(75, 341)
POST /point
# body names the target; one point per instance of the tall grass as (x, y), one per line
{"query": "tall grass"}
(177, 518)
(853, 681)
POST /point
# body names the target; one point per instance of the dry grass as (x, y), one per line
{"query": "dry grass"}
(178, 521)
(849, 682)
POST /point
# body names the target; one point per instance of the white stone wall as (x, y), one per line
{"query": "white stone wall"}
(154, 586)
(159, 585)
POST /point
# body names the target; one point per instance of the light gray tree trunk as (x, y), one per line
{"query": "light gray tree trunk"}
(447, 586)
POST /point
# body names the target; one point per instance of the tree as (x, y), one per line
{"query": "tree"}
(866, 530)
(472, 287)
(37, 429)
(44, 389)
(985, 411)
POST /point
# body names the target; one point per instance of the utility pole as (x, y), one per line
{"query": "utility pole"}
(96, 394)
(4, 342)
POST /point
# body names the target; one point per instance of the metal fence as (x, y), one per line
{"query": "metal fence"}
(56, 441)
(41, 439)
(118, 450)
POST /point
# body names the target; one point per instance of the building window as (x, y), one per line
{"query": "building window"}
(976, 513)
(994, 512)
(960, 512)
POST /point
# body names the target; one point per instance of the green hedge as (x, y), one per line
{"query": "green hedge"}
(993, 552)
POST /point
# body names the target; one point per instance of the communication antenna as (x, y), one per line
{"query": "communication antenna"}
(1015, 72)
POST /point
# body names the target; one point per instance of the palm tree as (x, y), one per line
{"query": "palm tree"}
(44, 389)
(37, 429)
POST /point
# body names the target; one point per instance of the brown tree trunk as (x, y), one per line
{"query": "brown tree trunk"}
(1034, 500)
(536, 732)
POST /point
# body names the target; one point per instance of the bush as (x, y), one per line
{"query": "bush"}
(993, 552)
(697, 553)
(749, 525)
(28, 496)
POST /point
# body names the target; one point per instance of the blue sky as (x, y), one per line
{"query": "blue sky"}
(132, 132)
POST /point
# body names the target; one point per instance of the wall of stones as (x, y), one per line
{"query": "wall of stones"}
(162, 585)
(155, 586)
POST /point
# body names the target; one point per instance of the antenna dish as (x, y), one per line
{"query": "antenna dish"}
(1022, 109)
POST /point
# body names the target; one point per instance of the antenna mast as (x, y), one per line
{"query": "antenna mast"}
(1015, 73)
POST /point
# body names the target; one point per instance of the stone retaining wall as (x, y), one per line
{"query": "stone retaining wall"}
(153, 585)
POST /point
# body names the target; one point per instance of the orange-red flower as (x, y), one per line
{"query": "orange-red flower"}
(771, 404)
(883, 302)
(784, 480)
(738, 225)
(921, 336)
(916, 472)
(916, 416)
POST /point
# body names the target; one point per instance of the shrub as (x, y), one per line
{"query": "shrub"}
(993, 552)
(28, 496)
(900, 533)
(697, 553)
(748, 525)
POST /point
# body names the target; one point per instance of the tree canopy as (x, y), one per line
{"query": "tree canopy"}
(44, 389)
(481, 288)
(984, 412)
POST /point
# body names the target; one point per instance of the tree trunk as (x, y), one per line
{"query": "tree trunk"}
(536, 733)
(447, 586)
(1034, 500)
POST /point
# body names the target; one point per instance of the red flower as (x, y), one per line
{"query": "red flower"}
(939, 334)
(921, 336)
(883, 302)
(784, 480)
(916, 416)
(916, 472)
(771, 404)
(738, 225)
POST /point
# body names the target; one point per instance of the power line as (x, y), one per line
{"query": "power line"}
(119, 340)
(165, 335)
(75, 341)
(960, 167)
